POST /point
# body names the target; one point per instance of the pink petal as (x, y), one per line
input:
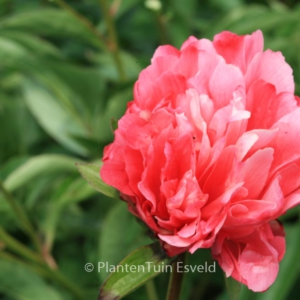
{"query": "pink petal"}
(244, 144)
(255, 171)
(175, 240)
(166, 50)
(188, 230)
(271, 67)
(266, 107)
(238, 50)
(223, 82)
(259, 271)
(287, 141)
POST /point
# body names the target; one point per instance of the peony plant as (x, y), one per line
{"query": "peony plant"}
(207, 154)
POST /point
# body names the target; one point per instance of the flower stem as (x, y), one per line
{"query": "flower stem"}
(162, 27)
(176, 278)
(151, 291)
(22, 217)
(113, 40)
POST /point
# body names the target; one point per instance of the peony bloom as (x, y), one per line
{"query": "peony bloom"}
(208, 152)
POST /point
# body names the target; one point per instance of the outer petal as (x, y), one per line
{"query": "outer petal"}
(238, 50)
(266, 106)
(254, 259)
(271, 67)
(287, 141)
(164, 51)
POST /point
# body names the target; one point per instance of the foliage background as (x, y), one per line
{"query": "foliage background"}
(61, 81)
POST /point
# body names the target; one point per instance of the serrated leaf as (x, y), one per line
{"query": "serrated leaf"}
(125, 279)
(91, 174)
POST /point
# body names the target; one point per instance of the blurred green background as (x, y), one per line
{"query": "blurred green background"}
(66, 69)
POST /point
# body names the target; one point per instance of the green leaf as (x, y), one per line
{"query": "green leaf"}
(124, 6)
(12, 53)
(233, 288)
(19, 282)
(134, 271)
(248, 18)
(116, 107)
(66, 96)
(113, 124)
(19, 130)
(185, 9)
(113, 246)
(227, 5)
(36, 166)
(77, 190)
(109, 70)
(86, 82)
(91, 174)
(51, 22)
(53, 116)
(34, 44)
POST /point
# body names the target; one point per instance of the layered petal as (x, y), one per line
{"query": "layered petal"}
(208, 152)
(253, 259)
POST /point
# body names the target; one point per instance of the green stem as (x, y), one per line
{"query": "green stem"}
(19, 248)
(35, 268)
(28, 228)
(151, 291)
(233, 287)
(111, 44)
(113, 39)
(176, 278)
(21, 216)
(162, 27)
(84, 21)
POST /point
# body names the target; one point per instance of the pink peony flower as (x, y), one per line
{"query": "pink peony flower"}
(208, 152)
